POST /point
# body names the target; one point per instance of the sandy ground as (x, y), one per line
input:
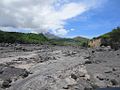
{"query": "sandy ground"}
(42, 67)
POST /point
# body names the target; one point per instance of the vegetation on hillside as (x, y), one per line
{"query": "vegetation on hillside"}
(69, 41)
(115, 35)
(15, 37)
(30, 38)
(83, 41)
(112, 38)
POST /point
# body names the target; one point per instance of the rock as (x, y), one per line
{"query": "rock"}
(21, 59)
(114, 82)
(114, 69)
(6, 83)
(54, 58)
(88, 57)
(69, 53)
(93, 51)
(88, 62)
(82, 74)
(70, 81)
(98, 61)
(73, 53)
(88, 88)
(12, 72)
(74, 76)
(118, 54)
(1, 71)
(44, 88)
(108, 71)
(67, 87)
(9, 80)
(100, 77)
(44, 58)
(94, 86)
(24, 74)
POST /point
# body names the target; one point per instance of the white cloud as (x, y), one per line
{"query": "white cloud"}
(72, 29)
(42, 15)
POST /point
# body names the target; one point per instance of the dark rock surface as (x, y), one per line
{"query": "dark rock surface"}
(10, 74)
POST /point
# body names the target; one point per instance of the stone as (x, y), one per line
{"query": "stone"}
(94, 86)
(101, 77)
(6, 83)
(74, 76)
(114, 69)
(88, 62)
(118, 54)
(114, 82)
(88, 88)
(67, 87)
(82, 74)
(93, 51)
(88, 57)
(24, 74)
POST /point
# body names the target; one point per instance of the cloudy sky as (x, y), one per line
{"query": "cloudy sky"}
(67, 18)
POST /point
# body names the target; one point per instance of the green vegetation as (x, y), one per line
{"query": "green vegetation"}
(30, 38)
(112, 38)
(115, 35)
(83, 41)
(70, 42)
(15, 37)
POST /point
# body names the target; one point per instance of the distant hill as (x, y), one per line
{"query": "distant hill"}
(79, 38)
(30, 38)
(82, 40)
(79, 41)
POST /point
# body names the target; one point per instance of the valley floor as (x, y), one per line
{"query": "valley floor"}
(43, 67)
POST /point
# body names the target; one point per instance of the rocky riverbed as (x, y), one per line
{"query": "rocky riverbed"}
(46, 67)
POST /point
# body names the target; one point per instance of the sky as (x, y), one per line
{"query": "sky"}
(65, 18)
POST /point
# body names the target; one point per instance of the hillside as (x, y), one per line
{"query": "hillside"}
(15, 37)
(69, 41)
(114, 35)
(112, 38)
(109, 39)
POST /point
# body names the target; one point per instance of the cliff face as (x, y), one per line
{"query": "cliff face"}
(99, 42)
(95, 42)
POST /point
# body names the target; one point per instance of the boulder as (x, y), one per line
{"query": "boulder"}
(113, 82)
